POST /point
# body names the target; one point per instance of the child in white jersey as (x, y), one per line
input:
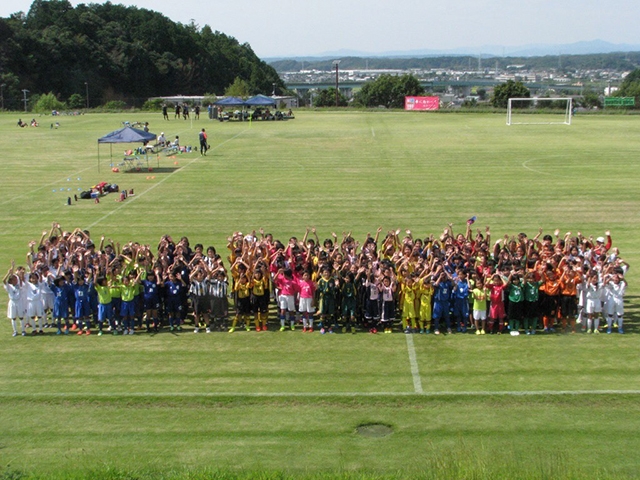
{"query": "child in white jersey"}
(35, 306)
(593, 303)
(12, 287)
(614, 289)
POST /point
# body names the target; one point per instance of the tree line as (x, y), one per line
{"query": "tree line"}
(619, 61)
(113, 52)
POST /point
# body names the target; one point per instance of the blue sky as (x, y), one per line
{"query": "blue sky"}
(308, 27)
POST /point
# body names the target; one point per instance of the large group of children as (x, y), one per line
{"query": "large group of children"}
(463, 282)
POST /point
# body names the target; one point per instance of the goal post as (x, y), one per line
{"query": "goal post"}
(539, 111)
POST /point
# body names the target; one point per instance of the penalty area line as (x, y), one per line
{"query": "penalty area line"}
(415, 373)
(480, 393)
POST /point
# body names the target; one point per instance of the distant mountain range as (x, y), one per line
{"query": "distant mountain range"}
(487, 51)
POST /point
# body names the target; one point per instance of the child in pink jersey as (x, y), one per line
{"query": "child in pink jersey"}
(307, 289)
(287, 287)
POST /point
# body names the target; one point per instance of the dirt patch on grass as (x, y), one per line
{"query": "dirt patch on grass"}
(374, 430)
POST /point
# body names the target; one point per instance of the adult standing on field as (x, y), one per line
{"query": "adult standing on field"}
(203, 142)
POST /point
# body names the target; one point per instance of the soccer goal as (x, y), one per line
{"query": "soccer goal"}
(539, 111)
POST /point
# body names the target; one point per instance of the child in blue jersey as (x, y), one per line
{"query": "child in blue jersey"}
(442, 287)
(60, 303)
(128, 306)
(175, 288)
(460, 300)
(71, 298)
(151, 298)
(82, 314)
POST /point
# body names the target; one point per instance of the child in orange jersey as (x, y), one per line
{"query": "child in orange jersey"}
(569, 281)
(550, 293)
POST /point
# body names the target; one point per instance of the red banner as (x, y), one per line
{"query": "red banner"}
(421, 103)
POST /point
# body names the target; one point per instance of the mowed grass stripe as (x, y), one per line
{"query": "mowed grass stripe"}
(496, 393)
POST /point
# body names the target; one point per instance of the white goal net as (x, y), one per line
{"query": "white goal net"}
(539, 111)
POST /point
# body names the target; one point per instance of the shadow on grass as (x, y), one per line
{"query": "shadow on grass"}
(145, 171)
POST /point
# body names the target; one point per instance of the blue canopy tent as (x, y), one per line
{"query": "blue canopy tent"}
(124, 135)
(260, 101)
(230, 102)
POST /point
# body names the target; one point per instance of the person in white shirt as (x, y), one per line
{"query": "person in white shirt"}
(12, 287)
(615, 287)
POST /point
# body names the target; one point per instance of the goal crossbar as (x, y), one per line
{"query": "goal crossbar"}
(566, 119)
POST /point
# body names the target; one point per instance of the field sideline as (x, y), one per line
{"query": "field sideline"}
(287, 405)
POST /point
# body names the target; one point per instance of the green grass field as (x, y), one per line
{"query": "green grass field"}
(287, 405)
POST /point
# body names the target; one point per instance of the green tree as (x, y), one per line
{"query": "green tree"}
(503, 92)
(48, 102)
(388, 91)
(630, 87)
(327, 98)
(76, 101)
(550, 104)
(121, 52)
(239, 88)
(154, 105)
(590, 99)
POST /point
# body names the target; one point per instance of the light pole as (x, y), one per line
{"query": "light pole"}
(24, 93)
(86, 86)
(273, 94)
(2, 94)
(336, 63)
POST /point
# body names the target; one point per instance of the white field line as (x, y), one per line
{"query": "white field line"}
(373, 132)
(57, 182)
(415, 373)
(481, 393)
(524, 164)
(132, 199)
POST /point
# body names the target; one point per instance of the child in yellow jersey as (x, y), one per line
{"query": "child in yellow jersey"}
(480, 296)
(408, 292)
(260, 299)
(115, 282)
(242, 288)
(424, 293)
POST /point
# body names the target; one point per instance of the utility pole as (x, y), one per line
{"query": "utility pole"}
(24, 93)
(2, 94)
(86, 85)
(336, 63)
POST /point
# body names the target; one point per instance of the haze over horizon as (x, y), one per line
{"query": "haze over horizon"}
(288, 28)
